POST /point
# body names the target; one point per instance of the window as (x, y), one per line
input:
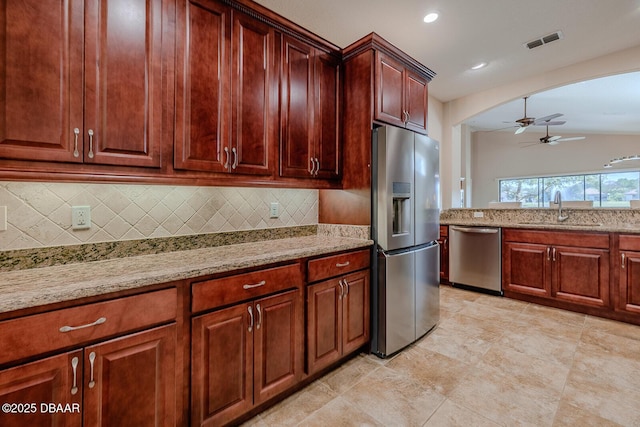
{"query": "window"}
(604, 189)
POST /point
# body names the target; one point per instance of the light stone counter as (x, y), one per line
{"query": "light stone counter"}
(32, 287)
(599, 219)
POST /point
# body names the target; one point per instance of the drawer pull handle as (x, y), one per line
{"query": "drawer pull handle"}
(92, 359)
(74, 366)
(343, 264)
(100, 321)
(259, 316)
(255, 285)
(250, 310)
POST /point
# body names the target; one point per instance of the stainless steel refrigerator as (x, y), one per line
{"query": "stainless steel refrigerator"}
(405, 227)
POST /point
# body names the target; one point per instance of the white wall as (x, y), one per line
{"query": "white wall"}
(498, 155)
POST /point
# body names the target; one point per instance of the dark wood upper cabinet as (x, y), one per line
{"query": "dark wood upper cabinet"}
(310, 102)
(82, 82)
(226, 98)
(401, 97)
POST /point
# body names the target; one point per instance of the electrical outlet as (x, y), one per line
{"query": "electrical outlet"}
(3, 218)
(274, 210)
(80, 217)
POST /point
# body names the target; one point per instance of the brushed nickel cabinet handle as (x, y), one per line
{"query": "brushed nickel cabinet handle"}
(250, 310)
(341, 290)
(346, 287)
(255, 285)
(76, 153)
(100, 321)
(623, 259)
(548, 253)
(342, 264)
(235, 158)
(90, 143)
(554, 254)
(226, 161)
(312, 166)
(259, 322)
(74, 366)
(92, 359)
(317, 167)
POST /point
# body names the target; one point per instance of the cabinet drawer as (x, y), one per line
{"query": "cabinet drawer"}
(41, 333)
(629, 242)
(228, 290)
(330, 266)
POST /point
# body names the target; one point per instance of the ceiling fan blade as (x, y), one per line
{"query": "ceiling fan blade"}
(575, 138)
(548, 118)
(520, 130)
(554, 123)
(553, 138)
(530, 145)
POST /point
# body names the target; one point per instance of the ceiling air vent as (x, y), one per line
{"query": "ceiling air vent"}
(544, 40)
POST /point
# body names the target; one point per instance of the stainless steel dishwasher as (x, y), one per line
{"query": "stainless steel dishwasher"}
(475, 257)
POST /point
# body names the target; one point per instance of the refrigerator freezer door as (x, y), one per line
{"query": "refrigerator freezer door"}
(427, 187)
(398, 328)
(427, 288)
(394, 187)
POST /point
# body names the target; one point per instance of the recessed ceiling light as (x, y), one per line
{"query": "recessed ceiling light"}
(479, 65)
(431, 17)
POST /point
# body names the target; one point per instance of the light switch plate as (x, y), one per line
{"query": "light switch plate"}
(3, 218)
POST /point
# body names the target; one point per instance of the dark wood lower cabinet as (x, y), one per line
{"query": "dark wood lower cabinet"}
(243, 355)
(629, 287)
(337, 318)
(567, 269)
(124, 381)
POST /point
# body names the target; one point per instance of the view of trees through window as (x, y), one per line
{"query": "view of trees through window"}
(604, 189)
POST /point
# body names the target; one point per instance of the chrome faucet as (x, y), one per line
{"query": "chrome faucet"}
(558, 201)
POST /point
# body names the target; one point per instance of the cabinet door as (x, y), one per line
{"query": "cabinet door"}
(203, 46)
(297, 95)
(278, 344)
(51, 380)
(254, 97)
(581, 275)
(355, 314)
(526, 269)
(131, 380)
(443, 241)
(324, 324)
(416, 102)
(327, 116)
(222, 365)
(123, 82)
(390, 77)
(41, 79)
(629, 298)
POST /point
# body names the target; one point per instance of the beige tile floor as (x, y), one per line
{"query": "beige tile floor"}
(490, 362)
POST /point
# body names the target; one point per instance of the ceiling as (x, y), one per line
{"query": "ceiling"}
(495, 31)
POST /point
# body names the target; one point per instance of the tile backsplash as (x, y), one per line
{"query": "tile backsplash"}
(39, 214)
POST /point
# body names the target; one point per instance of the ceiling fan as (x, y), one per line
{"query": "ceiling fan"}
(555, 139)
(525, 121)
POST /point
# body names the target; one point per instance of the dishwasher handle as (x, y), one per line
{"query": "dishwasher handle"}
(477, 230)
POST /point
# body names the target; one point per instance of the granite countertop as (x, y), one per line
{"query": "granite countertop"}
(595, 220)
(32, 287)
